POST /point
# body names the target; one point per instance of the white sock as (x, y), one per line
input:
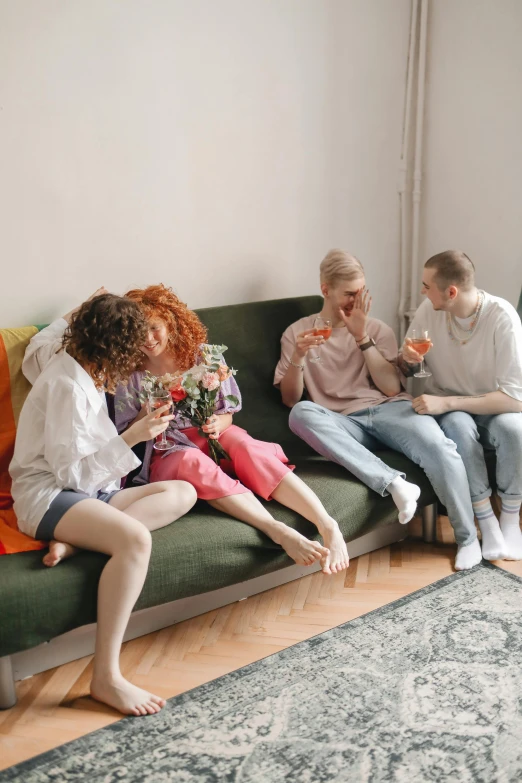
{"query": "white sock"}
(405, 496)
(468, 556)
(493, 544)
(510, 526)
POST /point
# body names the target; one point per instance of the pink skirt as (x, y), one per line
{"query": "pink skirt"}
(259, 466)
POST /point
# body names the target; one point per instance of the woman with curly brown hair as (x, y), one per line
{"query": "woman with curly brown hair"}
(173, 345)
(67, 467)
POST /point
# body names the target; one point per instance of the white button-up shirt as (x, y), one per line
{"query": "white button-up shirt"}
(65, 440)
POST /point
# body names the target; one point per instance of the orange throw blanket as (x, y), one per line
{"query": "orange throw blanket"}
(13, 391)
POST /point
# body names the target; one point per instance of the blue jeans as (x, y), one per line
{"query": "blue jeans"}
(503, 434)
(350, 440)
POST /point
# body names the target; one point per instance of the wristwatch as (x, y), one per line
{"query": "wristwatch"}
(368, 344)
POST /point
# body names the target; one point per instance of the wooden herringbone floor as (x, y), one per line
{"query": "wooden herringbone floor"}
(54, 707)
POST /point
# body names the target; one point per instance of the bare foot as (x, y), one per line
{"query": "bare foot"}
(126, 697)
(337, 558)
(299, 548)
(58, 551)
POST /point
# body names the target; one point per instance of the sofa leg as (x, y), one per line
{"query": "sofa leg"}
(429, 523)
(7, 684)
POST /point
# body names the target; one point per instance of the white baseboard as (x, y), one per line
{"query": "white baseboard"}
(80, 642)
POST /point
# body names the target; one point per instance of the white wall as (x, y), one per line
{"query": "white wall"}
(473, 163)
(370, 46)
(220, 147)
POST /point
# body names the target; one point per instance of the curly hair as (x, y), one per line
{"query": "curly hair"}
(185, 330)
(105, 336)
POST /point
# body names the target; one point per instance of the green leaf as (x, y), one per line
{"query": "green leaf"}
(233, 399)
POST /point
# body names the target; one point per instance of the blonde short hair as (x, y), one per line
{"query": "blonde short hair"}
(339, 265)
(452, 267)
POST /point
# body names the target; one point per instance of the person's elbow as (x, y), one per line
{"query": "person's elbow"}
(288, 400)
(392, 388)
(518, 406)
(513, 404)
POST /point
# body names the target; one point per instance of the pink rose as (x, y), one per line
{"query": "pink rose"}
(210, 381)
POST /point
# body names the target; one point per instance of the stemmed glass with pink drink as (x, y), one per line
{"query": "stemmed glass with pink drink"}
(322, 328)
(158, 399)
(420, 342)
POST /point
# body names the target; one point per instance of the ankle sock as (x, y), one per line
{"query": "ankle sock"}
(493, 544)
(510, 527)
(405, 496)
(468, 556)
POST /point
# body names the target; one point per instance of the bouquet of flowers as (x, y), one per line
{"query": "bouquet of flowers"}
(194, 392)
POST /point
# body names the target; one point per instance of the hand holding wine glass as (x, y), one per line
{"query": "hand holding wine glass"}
(147, 425)
(306, 341)
(161, 399)
(420, 344)
(322, 328)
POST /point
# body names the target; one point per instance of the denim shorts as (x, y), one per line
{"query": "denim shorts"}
(60, 505)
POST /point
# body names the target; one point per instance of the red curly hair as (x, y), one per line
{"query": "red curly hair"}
(186, 332)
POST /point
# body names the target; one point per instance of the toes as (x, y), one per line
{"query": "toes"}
(319, 547)
(157, 700)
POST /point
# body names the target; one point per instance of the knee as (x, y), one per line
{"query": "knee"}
(181, 495)
(508, 430)
(191, 458)
(301, 414)
(137, 540)
(184, 495)
(436, 444)
(459, 426)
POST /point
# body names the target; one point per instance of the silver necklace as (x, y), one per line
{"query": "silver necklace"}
(453, 325)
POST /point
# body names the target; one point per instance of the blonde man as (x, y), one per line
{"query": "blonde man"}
(475, 390)
(356, 405)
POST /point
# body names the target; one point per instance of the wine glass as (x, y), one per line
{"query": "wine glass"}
(158, 399)
(322, 328)
(420, 341)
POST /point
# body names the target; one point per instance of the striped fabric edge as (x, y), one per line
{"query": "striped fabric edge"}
(13, 390)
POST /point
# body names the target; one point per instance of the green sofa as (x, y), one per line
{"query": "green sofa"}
(205, 559)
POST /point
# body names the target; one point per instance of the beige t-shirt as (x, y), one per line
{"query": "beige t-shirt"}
(341, 382)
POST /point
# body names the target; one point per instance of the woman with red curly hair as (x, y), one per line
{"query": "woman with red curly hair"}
(173, 345)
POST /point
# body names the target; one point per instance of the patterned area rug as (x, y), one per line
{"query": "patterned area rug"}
(428, 688)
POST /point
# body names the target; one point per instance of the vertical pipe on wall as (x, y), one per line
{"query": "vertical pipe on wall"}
(403, 173)
(417, 169)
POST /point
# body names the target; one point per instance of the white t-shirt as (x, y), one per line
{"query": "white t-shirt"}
(490, 361)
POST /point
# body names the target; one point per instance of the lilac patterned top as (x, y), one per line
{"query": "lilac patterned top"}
(127, 406)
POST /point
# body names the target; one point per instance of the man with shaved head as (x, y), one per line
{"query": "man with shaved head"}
(475, 388)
